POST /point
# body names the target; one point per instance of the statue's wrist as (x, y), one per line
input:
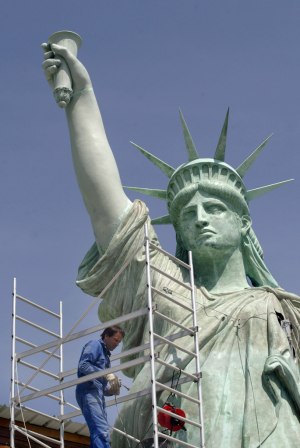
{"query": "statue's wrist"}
(81, 92)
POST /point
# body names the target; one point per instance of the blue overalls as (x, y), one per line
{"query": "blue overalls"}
(90, 395)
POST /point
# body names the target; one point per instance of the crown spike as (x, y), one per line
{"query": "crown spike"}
(163, 166)
(256, 192)
(247, 163)
(190, 146)
(162, 220)
(155, 193)
(221, 146)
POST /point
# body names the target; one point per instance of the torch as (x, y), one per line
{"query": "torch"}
(62, 82)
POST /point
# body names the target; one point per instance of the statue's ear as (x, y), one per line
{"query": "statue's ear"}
(181, 252)
(179, 239)
(246, 224)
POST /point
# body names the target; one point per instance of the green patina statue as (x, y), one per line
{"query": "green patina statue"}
(249, 360)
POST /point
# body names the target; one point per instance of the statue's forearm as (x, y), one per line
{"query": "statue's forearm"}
(95, 166)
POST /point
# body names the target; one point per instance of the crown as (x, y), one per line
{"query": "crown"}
(198, 171)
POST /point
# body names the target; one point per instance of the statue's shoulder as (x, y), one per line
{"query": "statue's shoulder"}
(282, 294)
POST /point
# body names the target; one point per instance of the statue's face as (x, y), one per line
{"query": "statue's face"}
(207, 224)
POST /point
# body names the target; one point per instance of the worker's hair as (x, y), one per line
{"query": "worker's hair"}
(110, 331)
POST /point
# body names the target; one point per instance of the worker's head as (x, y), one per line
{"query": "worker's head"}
(112, 336)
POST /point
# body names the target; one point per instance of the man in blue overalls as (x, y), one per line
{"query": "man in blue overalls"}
(95, 357)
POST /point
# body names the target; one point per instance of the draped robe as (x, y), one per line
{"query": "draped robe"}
(250, 378)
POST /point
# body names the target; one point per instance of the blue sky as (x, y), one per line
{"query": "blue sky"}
(146, 59)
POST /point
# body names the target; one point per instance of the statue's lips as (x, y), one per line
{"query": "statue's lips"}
(206, 232)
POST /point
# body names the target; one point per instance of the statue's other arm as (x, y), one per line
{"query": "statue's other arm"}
(94, 163)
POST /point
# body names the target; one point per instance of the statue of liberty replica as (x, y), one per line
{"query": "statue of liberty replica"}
(249, 340)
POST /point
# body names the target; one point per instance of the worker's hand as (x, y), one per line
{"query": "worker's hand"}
(114, 384)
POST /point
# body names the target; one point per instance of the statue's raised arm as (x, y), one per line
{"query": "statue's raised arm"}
(95, 166)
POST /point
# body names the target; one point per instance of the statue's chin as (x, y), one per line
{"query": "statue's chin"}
(213, 248)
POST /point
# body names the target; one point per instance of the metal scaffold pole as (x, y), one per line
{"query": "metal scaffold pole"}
(197, 359)
(13, 364)
(151, 337)
(61, 369)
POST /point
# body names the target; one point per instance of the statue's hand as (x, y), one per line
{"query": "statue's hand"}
(53, 54)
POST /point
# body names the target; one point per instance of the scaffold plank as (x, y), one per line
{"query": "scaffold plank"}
(34, 304)
(179, 347)
(27, 434)
(38, 327)
(177, 392)
(178, 441)
(165, 274)
(37, 369)
(172, 299)
(87, 331)
(179, 417)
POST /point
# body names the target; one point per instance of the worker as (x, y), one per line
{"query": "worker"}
(95, 357)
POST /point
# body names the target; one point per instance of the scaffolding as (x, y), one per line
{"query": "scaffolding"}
(148, 352)
(17, 384)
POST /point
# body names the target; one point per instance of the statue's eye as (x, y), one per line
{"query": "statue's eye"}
(215, 209)
(188, 214)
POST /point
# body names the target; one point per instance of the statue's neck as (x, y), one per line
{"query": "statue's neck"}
(220, 274)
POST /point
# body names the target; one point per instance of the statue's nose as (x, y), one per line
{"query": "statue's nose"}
(202, 218)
